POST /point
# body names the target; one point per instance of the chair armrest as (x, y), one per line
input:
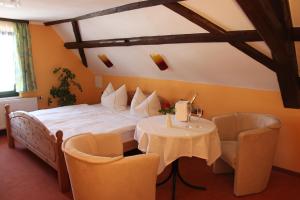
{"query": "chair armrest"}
(255, 155)
(109, 144)
(138, 169)
(257, 135)
(139, 165)
(74, 154)
(133, 175)
(256, 147)
(227, 126)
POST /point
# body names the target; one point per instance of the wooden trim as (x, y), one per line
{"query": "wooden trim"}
(213, 28)
(277, 36)
(10, 139)
(168, 39)
(78, 38)
(109, 11)
(14, 20)
(286, 171)
(62, 172)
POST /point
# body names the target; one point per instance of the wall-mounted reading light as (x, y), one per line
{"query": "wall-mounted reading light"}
(159, 61)
(105, 60)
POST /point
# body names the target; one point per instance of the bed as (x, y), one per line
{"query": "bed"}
(43, 131)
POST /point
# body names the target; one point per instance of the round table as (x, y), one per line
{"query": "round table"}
(197, 138)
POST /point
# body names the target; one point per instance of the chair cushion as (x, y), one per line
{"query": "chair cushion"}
(229, 152)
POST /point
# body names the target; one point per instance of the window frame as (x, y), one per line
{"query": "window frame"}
(9, 94)
(12, 93)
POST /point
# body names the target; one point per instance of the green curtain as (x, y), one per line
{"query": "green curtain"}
(25, 77)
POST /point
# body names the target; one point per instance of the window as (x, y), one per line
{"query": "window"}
(8, 60)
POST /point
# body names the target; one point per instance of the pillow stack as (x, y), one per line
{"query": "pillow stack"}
(115, 99)
(144, 106)
(141, 105)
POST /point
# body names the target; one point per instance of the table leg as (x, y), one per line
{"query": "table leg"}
(189, 184)
(174, 173)
(166, 180)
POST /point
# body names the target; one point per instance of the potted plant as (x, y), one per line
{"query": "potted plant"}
(62, 92)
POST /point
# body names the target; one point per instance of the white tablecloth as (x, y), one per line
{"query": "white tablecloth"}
(202, 140)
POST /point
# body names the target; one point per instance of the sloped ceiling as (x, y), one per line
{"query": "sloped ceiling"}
(45, 10)
(213, 63)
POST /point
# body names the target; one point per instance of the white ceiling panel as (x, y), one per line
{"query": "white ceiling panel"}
(47, 10)
(262, 47)
(225, 13)
(65, 31)
(157, 20)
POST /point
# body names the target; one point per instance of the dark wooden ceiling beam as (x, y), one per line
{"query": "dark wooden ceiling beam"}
(168, 39)
(14, 20)
(78, 38)
(296, 34)
(283, 12)
(123, 8)
(229, 36)
(213, 28)
(273, 28)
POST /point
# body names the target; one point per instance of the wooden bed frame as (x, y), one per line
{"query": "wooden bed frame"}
(35, 136)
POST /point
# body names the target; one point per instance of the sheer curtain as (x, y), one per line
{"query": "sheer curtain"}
(8, 57)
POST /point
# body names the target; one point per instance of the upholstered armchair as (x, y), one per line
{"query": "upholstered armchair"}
(98, 170)
(248, 146)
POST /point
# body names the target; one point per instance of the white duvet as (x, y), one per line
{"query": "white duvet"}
(83, 118)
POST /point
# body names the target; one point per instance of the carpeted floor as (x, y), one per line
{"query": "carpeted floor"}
(23, 176)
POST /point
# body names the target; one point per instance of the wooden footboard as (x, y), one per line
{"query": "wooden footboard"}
(34, 135)
(30, 132)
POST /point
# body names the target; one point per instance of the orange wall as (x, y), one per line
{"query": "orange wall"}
(48, 52)
(219, 99)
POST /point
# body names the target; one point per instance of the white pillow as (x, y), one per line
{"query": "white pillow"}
(114, 99)
(137, 99)
(144, 106)
(109, 89)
